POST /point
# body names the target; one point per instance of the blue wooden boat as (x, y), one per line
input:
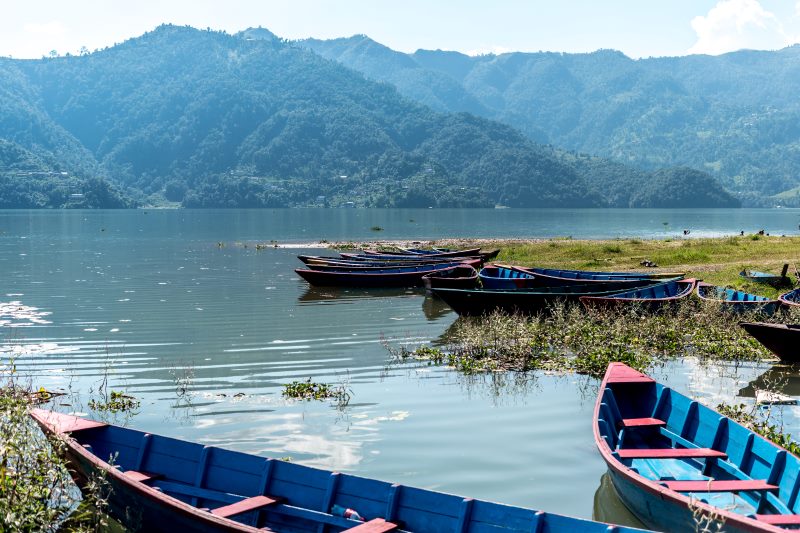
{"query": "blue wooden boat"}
(667, 455)
(776, 280)
(737, 301)
(650, 298)
(475, 302)
(428, 253)
(340, 261)
(404, 258)
(390, 269)
(791, 298)
(164, 484)
(781, 339)
(502, 277)
(375, 278)
(552, 277)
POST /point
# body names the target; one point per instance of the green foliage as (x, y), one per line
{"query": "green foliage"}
(116, 402)
(309, 390)
(242, 122)
(734, 116)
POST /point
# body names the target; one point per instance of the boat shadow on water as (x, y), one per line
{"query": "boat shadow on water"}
(345, 294)
(609, 508)
(779, 378)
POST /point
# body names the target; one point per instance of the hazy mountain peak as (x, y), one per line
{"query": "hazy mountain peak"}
(257, 34)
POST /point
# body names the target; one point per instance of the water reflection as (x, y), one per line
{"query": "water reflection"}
(609, 508)
(342, 294)
(781, 378)
(434, 308)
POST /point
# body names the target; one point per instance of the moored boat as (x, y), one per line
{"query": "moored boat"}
(462, 277)
(406, 258)
(671, 458)
(559, 276)
(513, 277)
(164, 484)
(776, 280)
(326, 260)
(781, 339)
(736, 301)
(389, 268)
(791, 298)
(474, 302)
(428, 253)
(381, 277)
(651, 298)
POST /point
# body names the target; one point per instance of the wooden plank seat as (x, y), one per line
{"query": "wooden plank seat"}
(669, 453)
(721, 485)
(642, 422)
(141, 476)
(376, 525)
(779, 519)
(244, 506)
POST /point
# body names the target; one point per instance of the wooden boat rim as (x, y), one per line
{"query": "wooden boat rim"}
(369, 273)
(43, 418)
(654, 487)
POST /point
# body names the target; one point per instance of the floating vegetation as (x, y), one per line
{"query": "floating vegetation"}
(309, 390)
(376, 228)
(116, 402)
(569, 338)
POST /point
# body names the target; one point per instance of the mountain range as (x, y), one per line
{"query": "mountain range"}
(735, 116)
(206, 119)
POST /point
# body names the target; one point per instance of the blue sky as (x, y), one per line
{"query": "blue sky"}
(639, 28)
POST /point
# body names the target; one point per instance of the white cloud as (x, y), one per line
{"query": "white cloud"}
(737, 24)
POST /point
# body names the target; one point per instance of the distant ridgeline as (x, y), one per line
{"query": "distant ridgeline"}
(736, 116)
(196, 118)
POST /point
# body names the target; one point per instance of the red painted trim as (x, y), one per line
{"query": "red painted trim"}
(724, 485)
(643, 422)
(779, 519)
(244, 506)
(669, 453)
(376, 525)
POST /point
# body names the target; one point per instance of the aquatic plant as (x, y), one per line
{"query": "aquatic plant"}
(569, 338)
(115, 402)
(309, 390)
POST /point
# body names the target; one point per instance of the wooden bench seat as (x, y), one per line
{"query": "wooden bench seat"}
(244, 506)
(669, 453)
(722, 485)
(779, 519)
(376, 525)
(141, 476)
(642, 422)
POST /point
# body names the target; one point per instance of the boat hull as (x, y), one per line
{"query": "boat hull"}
(464, 277)
(737, 301)
(165, 484)
(781, 339)
(478, 302)
(653, 298)
(322, 278)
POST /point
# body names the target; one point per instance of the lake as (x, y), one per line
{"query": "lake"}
(179, 309)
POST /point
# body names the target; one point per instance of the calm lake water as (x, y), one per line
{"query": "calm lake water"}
(205, 335)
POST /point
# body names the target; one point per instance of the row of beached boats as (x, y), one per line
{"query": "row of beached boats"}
(460, 279)
(671, 460)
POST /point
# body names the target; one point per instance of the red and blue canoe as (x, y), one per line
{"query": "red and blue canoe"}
(163, 484)
(737, 301)
(503, 277)
(651, 298)
(791, 298)
(668, 455)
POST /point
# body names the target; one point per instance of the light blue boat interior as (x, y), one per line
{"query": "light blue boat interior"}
(670, 289)
(587, 274)
(209, 477)
(689, 424)
(792, 296)
(730, 295)
(501, 278)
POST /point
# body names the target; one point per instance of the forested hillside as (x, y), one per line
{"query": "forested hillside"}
(207, 119)
(736, 116)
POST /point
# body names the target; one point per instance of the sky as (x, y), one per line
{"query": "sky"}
(638, 28)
